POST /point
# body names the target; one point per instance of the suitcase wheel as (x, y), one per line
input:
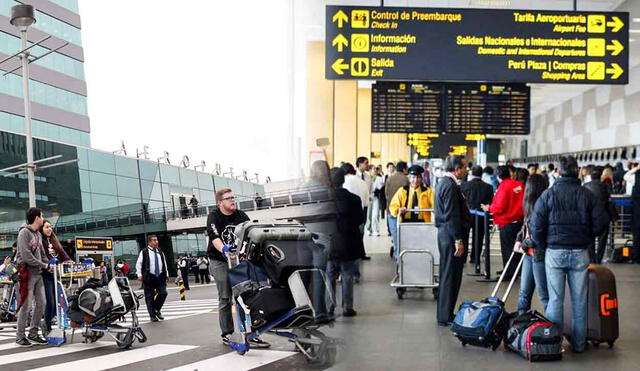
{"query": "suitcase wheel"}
(464, 344)
(400, 292)
(435, 292)
(596, 343)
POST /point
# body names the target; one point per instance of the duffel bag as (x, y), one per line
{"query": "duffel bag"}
(269, 304)
(95, 302)
(480, 323)
(534, 337)
(281, 258)
(247, 278)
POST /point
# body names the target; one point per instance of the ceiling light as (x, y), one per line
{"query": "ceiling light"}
(637, 20)
(634, 31)
(632, 40)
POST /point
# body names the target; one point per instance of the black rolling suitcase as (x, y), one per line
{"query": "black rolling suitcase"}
(602, 307)
(622, 254)
(281, 258)
(269, 304)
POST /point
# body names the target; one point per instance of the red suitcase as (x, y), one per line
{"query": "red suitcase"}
(602, 307)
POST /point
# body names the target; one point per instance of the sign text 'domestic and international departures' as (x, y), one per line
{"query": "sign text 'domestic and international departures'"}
(447, 44)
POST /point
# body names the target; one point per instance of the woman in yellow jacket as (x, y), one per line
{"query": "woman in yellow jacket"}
(406, 197)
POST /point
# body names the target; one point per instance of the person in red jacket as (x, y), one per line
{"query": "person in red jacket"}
(506, 208)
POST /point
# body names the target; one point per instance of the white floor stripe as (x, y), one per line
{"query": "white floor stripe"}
(9, 336)
(50, 352)
(168, 318)
(120, 358)
(10, 345)
(233, 361)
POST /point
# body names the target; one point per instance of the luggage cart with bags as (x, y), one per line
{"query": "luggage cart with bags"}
(97, 311)
(418, 256)
(283, 293)
(8, 301)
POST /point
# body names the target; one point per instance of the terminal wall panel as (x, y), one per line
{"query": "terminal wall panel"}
(345, 117)
(364, 124)
(319, 102)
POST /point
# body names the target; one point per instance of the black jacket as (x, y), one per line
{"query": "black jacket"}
(347, 242)
(567, 216)
(452, 212)
(477, 192)
(602, 193)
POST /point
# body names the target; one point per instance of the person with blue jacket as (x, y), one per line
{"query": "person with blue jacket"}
(566, 218)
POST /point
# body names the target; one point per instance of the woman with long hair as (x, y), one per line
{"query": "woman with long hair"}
(607, 177)
(533, 271)
(53, 249)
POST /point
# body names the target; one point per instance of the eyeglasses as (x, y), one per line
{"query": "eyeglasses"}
(232, 198)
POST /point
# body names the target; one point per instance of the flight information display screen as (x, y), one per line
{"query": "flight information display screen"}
(425, 107)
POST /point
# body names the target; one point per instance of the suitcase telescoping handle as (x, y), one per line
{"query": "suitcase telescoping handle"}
(513, 278)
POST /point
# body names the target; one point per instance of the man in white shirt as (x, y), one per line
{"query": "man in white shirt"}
(151, 269)
(630, 178)
(362, 172)
(355, 184)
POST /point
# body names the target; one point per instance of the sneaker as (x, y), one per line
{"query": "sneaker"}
(225, 340)
(37, 339)
(377, 234)
(258, 344)
(159, 316)
(154, 319)
(349, 313)
(23, 342)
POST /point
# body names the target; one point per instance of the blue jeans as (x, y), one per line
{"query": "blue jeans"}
(346, 270)
(393, 230)
(568, 266)
(533, 278)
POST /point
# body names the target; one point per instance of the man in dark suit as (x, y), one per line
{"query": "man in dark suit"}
(477, 193)
(453, 221)
(151, 269)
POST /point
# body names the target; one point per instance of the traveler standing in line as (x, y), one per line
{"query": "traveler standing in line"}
(31, 258)
(506, 208)
(347, 246)
(490, 178)
(394, 182)
(630, 178)
(53, 250)
(358, 187)
(378, 185)
(607, 177)
(533, 273)
(203, 269)
(193, 267)
(522, 175)
(603, 195)
(183, 267)
(194, 205)
(427, 177)
(453, 221)
(565, 220)
(391, 169)
(635, 219)
(221, 224)
(477, 193)
(618, 179)
(552, 174)
(151, 268)
(362, 172)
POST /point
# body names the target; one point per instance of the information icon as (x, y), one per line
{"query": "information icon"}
(359, 42)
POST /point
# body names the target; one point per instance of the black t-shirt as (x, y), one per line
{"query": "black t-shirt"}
(222, 226)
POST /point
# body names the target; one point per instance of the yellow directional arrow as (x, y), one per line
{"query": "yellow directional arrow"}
(338, 66)
(616, 24)
(341, 41)
(615, 70)
(340, 17)
(616, 47)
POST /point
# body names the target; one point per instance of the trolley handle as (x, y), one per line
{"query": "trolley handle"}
(399, 218)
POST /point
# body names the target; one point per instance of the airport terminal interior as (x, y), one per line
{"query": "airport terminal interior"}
(491, 118)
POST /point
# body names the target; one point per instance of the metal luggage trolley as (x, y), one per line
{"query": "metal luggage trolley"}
(418, 256)
(78, 271)
(8, 302)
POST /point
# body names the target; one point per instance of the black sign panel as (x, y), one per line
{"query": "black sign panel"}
(94, 244)
(426, 107)
(498, 45)
(406, 108)
(488, 109)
